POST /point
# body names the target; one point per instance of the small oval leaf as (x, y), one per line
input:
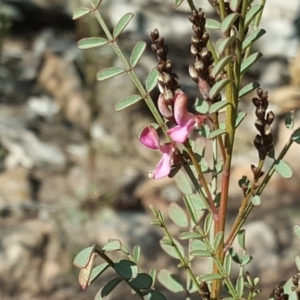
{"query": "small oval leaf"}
(170, 281)
(297, 231)
(136, 253)
(297, 262)
(239, 118)
(97, 271)
(171, 250)
(107, 289)
(91, 43)
(126, 268)
(248, 88)
(177, 215)
(189, 235)
(178, 3)
(218, 239)
(216, 133)
(296, 136)
(196, 245)
(202, 253)
(283, 169)
(241, 238)
(142, 281)
(218, 87)
(151, 80)
(124, 103)
(82, 259)
(246, 64)
(183, 183)
(210, 277)
(221, 64)
(225, 43)
(112, 245)
(246, 259)
(136, 54)
(123, 22)
(253, 11)
(212, 24)
(80, 12)
(207, 223)
(228, 21)
(109, 73)
(235, 5)
(254, 36)
(217, 106)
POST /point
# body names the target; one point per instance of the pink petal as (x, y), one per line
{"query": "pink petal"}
(149, 137)
(179, 133)
(163, 168)
(181, 114)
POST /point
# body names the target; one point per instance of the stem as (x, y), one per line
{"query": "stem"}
(240, 220)
(112, 265)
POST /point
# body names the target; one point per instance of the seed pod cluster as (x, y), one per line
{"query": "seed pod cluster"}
(201, 68)
(168, 81)
(263, 141)
(279, 293)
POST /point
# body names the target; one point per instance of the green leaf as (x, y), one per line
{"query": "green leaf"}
(113, 245)
(246, 64)
(189, 235)
(177, 215)
(136, 254)
(124, 250)
(241, 238)
(91, 43)
(245, 259)
(217, 106)
(82, 259)
(109, 73)
(218, 167)
(123, 22)
(240, 286)
(153, 295)
(228, 22)
(254, 36)
(136, 54)
(225, 43)
(210, 277)
(239, 118)
(152, 273)
(151, 80)
(283, 169)
(142, 281)
(253, 11)
(248, 88)
(221, 64)
(194, 206)
(227, 264)
(218, 239)
(202, 253)
(297, 231)
(218, 87)
(97, 271)
(80, 12)
(170, 281)
(96, 3)
(124, 103)
(234, 256)
(197, 245)
(126, 268)
(207, 223)
(183, 183)
(235, 5)
(178, 3)
(297, 262)
(289, 120)
(201, 106)
(212, 24)
(255, 200)
(294, 296)
(171, 250)
(107, 289)
(216, 133)
(296, 136)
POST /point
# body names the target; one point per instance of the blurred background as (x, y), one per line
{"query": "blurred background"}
(72, 171)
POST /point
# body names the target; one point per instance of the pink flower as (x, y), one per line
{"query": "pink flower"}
(185, 120)
(150, 139)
